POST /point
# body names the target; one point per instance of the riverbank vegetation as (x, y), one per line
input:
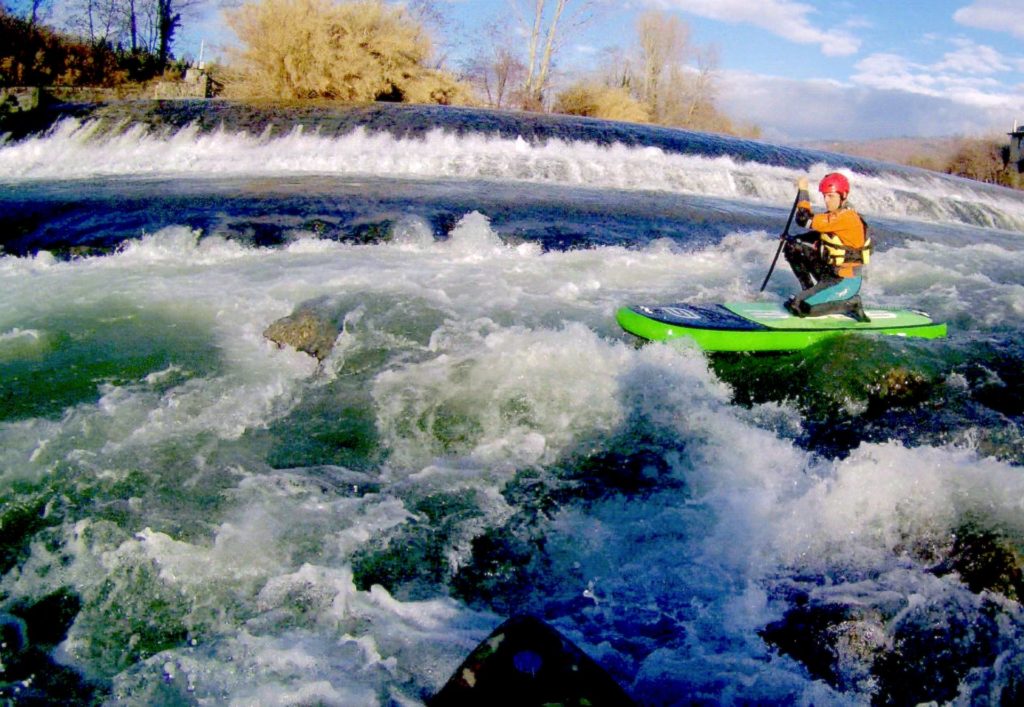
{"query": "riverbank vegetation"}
(370, 50)
(983, 159)
(355, 52)
(32, 54)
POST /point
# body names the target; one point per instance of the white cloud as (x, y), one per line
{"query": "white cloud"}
(789, 110)
(784, 18)
(968, 73)
(970, 58)
(995, 15)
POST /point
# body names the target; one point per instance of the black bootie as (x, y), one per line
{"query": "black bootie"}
(856, 309)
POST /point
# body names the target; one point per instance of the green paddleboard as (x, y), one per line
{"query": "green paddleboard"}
(764, 326)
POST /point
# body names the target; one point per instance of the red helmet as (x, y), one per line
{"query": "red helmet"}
(835, 182)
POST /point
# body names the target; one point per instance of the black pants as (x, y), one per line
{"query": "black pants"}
(804, 257)
(816, 276)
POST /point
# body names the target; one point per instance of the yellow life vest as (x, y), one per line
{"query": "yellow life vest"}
(837, 253)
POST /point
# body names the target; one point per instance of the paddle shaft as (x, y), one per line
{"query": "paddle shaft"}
(782, 241)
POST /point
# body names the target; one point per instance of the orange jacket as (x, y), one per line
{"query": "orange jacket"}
(845, 224)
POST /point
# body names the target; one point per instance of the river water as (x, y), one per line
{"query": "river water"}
(192, 514)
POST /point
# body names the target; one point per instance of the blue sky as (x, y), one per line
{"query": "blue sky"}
(804, 69)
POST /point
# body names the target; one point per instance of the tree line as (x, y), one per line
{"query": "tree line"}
(983, 160)
(87, 42)
(129, 26)
(371, 50)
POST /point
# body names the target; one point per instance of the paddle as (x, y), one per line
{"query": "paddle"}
(782, 241)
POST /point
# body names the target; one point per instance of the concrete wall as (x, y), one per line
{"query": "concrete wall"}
(19, 100)
(195, 84)
(1016, 150)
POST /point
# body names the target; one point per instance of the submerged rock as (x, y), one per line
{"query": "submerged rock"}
(899, 385)
(310, 329)
(837, 641)
(29, 673)
(985, 561)
(934, 647)
(900, 649)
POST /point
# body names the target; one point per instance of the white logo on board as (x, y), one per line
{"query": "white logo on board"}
(681, 313)
(873, 314)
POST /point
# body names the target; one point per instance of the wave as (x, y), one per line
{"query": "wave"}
(481, 437)
(630, 159)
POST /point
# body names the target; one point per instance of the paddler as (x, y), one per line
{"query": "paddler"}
(829, 259)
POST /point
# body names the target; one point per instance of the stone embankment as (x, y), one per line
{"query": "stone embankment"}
(25, 109)
(196, 83)
(19, 99)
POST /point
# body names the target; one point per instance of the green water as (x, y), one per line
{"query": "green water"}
(74, 353)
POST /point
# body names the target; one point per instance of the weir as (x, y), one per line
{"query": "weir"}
(211, 139)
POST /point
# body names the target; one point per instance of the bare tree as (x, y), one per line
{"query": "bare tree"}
(663, 43)
(502, 74)
(98, 21)
(496, 69)
(702, 84)
(677, 79)
(32, 11)
(435, 20)
(981, 159)
(548, 25)
(132, 25)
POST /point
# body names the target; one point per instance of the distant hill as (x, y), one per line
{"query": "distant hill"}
(982, 158)
(930, 153)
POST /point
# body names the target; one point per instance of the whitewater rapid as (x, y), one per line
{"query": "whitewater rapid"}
(243, 524)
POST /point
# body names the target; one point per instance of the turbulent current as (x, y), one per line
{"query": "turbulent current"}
(191, 513)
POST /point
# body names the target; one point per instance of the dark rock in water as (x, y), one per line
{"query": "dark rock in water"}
(310, 329)
(897, 651)
(902, 652)
(985, 561)
(28, 673)
(899, 386)
(934, 647)
(13, 634)
(50, 618)
(837, 642)
(528, 663)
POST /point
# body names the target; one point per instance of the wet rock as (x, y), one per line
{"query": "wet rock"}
(49, 619)
(933, 648)
(899, 386)
(28, 673)
(196, 83)
(310, 329)
(837, 642)
(895, 649)
(19, 99)
(985, 561)
(13, 635)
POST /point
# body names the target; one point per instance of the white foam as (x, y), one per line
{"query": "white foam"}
(79, 151)
(16, 334)
(885, 494)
